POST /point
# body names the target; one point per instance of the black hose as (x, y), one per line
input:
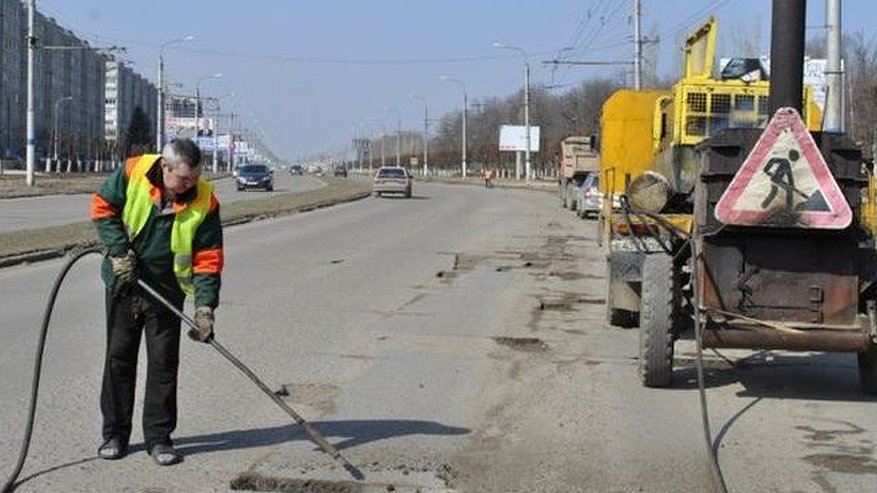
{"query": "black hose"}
(38, 364)
(715, 468)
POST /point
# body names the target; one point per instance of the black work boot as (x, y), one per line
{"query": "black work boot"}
(112, 449)
(165, 455)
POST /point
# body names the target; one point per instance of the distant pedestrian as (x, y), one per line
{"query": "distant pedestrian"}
(488, 178)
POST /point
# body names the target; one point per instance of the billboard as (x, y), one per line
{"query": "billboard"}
(514, 138)
(222, 143)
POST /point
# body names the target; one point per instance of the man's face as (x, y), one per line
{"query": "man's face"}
(180, 179)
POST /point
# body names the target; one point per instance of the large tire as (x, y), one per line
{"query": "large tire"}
(656, 321)
(868, 370)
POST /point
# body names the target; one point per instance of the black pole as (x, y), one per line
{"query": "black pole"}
(787, 54)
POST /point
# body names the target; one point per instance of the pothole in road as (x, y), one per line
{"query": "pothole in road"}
(563, 306)
(320, 397)
(258, 482)
(567, 276)
(592, 301)
(522, 343)
(400, 479)
(843, 463)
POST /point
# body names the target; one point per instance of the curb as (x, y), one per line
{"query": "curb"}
(40, 255)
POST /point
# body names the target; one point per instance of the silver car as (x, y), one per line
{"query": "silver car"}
(589, 198)
(393, 179)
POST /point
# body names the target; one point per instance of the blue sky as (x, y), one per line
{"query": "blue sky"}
(314, 74)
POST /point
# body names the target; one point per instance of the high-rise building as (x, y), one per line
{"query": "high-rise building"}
(12, 89)
(72, 92)
(126, 93)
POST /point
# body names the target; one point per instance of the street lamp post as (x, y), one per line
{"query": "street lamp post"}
(159, 114)
(30, 153)
(216, 129)
(55, 129)
(465, 115)
(527, 167)
(198, 103)
(425, 134)
(383, 135)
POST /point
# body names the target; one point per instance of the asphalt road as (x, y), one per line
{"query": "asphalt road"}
(54, 210)
(451, 342)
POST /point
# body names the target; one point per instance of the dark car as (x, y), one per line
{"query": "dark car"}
(255, 176)
(341, 171)
(296, 170)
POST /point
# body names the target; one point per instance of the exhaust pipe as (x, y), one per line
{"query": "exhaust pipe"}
(787, 54)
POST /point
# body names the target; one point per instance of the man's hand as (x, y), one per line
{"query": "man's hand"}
(203, 323)
(125, 270)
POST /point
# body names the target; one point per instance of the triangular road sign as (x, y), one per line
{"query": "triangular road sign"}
(784, 182)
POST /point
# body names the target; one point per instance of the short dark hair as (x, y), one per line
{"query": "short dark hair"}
(181, 150)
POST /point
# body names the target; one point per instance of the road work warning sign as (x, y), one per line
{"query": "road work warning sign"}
(784, 182)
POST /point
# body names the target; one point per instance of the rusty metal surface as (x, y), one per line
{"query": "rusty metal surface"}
(807, 279)
(810, 340)
(798, 277)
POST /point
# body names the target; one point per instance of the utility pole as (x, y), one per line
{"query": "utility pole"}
(528, 169)
(31, 48)
(231, 142)
(465, 117)
(398, 137)
(425, 140)
(159, 110)
(383, 154)
(637, 46)
(215, 135)
(833, 71)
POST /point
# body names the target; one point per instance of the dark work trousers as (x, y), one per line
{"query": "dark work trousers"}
(128, 316)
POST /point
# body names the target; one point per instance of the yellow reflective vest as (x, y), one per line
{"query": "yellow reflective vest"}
(142, 197)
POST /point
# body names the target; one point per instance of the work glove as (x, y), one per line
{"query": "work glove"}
(125, 270)
(203, 330)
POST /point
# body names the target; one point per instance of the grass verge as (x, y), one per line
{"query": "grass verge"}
(37, 244)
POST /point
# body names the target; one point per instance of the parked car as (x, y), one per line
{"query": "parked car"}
(393, 179)
(589, 198)
(255, 176)
(341, 171)
(296, 170)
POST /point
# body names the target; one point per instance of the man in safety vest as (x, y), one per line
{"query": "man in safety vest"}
(159, 222)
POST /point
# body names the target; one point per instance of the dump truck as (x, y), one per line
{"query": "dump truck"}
(578, 159)
(732, 216)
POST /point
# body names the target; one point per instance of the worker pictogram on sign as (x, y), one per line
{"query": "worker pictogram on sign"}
(784, 182)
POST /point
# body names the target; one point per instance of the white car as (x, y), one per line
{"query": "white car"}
(393, 179)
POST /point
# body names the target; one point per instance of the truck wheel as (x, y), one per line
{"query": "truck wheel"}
(868, 370)
(656, 322)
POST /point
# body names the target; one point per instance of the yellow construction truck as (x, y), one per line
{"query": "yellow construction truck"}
(667, 156)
